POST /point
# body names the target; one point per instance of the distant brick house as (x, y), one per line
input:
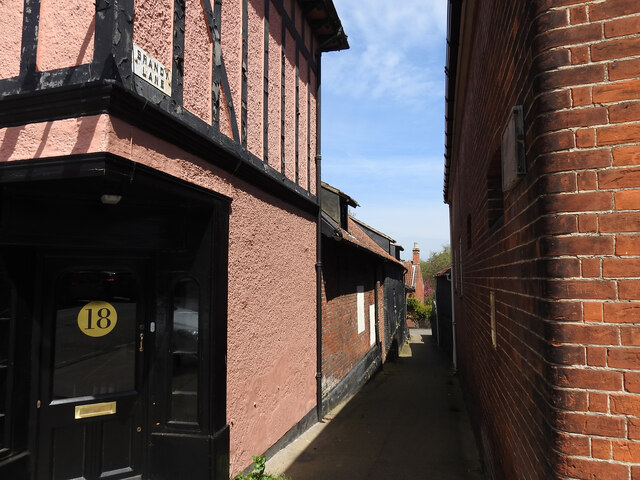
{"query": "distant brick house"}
(414, 284)
(542, 177)
(159, 197)
(413, 277)
(363, 299)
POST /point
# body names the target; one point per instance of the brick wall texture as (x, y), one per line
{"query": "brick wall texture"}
(344, 269)
(559, 394)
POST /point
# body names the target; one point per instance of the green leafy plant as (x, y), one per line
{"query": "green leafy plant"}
(257, 473)
(417, 310)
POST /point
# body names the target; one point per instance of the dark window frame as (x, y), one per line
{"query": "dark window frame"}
(8, 364)
(197, 423)
(495, 196)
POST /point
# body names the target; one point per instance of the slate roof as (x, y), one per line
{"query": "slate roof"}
(442, 272)
(356, 237)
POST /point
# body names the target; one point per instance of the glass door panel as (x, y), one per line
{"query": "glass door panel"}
(185, 347)
(95, 334)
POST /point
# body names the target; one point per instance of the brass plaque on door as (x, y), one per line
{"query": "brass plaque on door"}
(95, 410)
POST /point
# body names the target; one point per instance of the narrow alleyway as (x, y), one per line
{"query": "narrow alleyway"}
(409, 422)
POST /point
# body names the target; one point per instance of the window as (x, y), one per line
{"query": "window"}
(492, 306)
(7, 327)
(185, 352)
(460, 263)
(495, 200)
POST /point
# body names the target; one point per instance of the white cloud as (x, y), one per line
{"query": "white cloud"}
(396, 50)
(377, 20)
(386, 167)
(383, 117)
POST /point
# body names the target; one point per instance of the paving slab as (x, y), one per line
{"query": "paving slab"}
(408, 422)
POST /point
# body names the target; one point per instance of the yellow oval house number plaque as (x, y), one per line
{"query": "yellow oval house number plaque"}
(97, 319)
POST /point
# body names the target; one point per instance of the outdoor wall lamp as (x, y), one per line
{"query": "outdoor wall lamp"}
(110, 199)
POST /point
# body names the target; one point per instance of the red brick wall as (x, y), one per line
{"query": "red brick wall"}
(558, 395)
(344, 268)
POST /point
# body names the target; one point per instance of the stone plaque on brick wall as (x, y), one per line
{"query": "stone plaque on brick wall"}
(513, 153)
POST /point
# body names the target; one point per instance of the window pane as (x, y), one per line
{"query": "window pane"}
(185, 352)
(95, 333)
(6, 295)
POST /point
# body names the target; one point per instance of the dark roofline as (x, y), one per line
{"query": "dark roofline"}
(391, 240)
(330, 229)
(350, 201)
(323, 19)
(453, 35)
(442, 272)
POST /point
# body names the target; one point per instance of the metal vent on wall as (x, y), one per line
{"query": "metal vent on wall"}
(513, 153)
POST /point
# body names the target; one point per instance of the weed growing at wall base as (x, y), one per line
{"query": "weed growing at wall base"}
(258, 471)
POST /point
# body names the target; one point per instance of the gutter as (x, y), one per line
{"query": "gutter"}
(451, 70)
(454, 14)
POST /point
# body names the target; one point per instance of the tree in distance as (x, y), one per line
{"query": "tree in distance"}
(434, 263)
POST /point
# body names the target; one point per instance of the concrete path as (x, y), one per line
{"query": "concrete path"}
(409, 422)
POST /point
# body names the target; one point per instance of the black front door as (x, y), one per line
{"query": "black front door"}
(112, 323)
(91, 409)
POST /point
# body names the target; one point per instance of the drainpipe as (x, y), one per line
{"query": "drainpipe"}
(453, 293)
(318, 159)
(454, 8)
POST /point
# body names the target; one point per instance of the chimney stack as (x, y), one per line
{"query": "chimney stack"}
(416, 254)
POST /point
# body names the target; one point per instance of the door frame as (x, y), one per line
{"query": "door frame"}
(52, 264)
(73, 184)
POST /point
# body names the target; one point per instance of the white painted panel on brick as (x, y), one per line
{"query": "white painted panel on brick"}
(372, 324)
(360, 306)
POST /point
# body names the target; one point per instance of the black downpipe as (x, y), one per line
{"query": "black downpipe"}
(318, 158)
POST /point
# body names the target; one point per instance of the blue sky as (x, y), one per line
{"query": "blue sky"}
(383, 118)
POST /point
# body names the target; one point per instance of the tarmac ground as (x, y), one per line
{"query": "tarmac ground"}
(408, 422)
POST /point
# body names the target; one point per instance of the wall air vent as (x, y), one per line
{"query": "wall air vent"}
(513, 154)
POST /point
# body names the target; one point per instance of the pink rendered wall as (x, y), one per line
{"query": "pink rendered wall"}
(231, 40)
(307, 37)
(66, 33)
(225, 117)
(198, 51)
(271, 367)
(52, 139)
(255, 82)
(290, 108)
(303, 124)
(299, 19)
(153, 28)
(10, 37)
(288, 4)
(313, 107)
(275, 85)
